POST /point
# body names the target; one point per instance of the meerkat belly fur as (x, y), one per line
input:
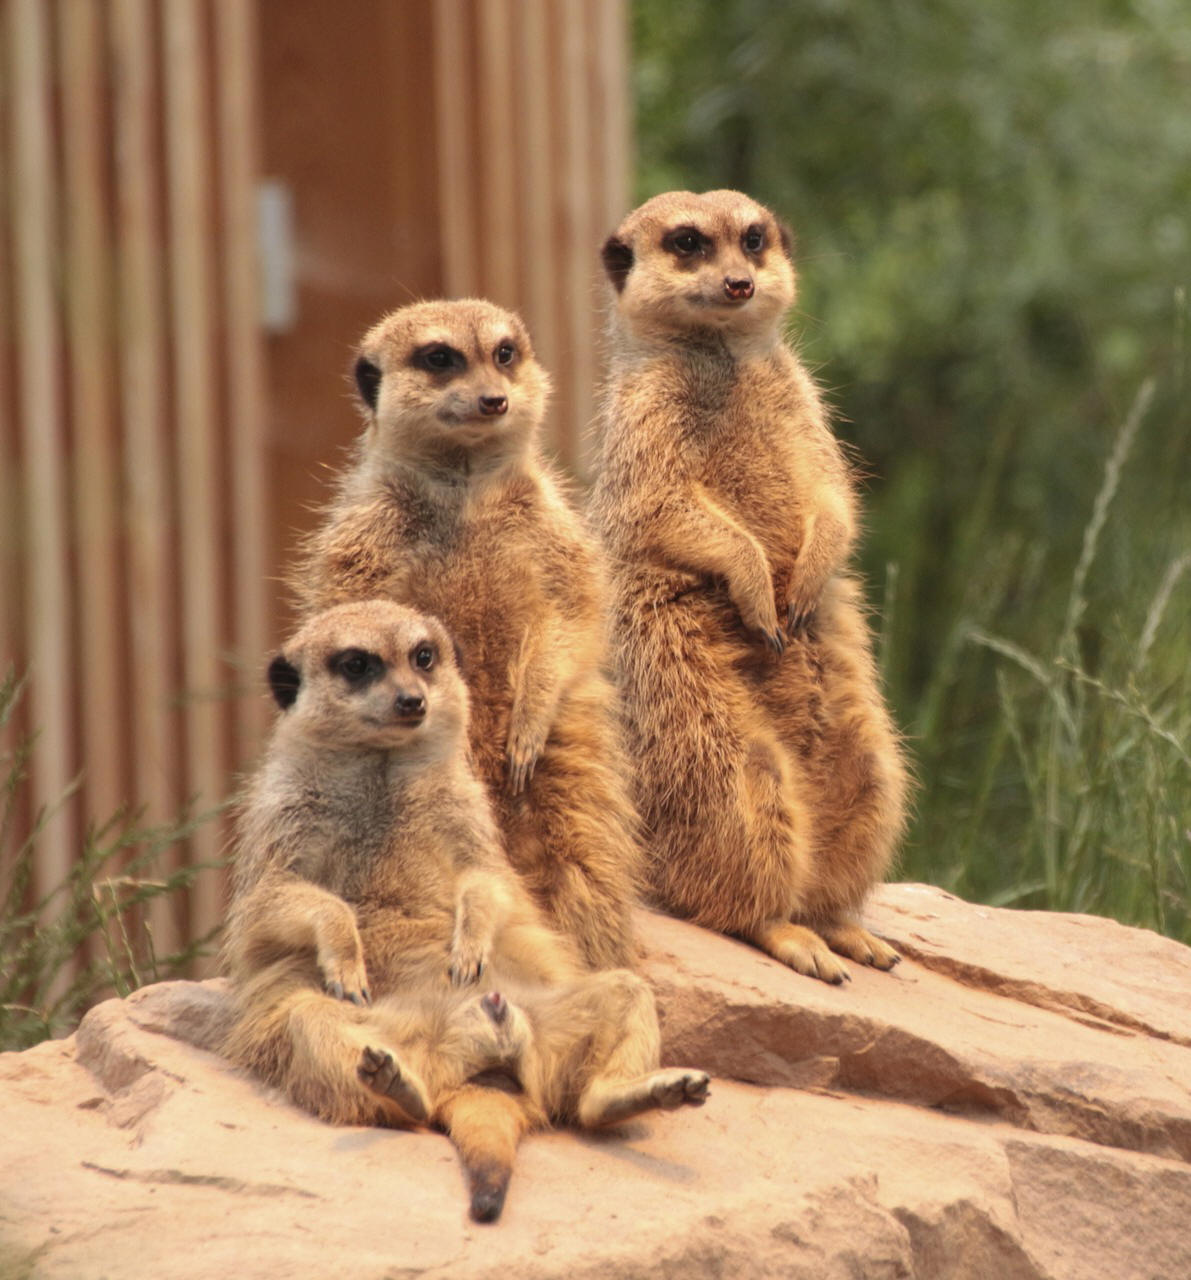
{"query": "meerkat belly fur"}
(769, 776)
(450, 509)
(385, 958)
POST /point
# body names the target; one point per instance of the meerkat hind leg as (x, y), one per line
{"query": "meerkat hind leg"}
(609, 1102)
(858, 944)
(800, 948)
(379, 1071)
(617, 1009)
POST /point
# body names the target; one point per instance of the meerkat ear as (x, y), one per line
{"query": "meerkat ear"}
(285, 681)
(618, 261)
(458, 654)
(368, 378)
(787, 238)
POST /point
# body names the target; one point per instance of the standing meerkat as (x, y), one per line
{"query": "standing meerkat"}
(449, 508)
(386, 961)
(770, 779)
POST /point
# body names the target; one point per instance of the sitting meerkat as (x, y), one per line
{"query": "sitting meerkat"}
(385, 959)
(449, 508)
(769, 775)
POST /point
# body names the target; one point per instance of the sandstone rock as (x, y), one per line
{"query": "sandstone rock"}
(1011, 1102)
(1083, 966)
(1028, 1035)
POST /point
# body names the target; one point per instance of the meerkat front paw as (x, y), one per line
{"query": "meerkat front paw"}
(799, 613)
(522, 755)
(345, 978)
(379, 1071)
(469, 957)
(760, 615)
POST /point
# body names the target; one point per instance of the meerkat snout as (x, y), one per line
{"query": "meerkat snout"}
(494, 406)
(740, 290)
(410, 707)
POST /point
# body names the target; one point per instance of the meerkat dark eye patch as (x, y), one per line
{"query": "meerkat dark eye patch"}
(685, 242)
(437, 357)
(618, 261)
(285, 680)
(368, 377)
(753, 240)
(424, 655)
(357, 666)
(505, 354)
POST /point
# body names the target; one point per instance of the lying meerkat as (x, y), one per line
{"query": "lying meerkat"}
(377, 932)
(769, 774)
(450, 509)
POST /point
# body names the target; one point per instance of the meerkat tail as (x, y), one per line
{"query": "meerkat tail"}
(486, 1126)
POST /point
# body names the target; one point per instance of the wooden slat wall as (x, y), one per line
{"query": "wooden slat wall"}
(243, 355)
(148, 505)
(158, 454)
(92, 388)
(41, 429)
(533, 140)
(133, 562)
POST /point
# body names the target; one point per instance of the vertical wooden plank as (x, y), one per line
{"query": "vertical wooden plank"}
(538, 181)
(413, 244)
(188, 175)
(496, 196)
(143, 381)
(47, 601)
(9, 463)
(577, 276)
(95, 460)
(11, 614)
(235, 36)
(553, 76)
(613, 113)
(609, 147)
(452, 99)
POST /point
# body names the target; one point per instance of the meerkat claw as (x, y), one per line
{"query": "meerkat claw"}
(521, 765)
(337, 991)
(797, 620)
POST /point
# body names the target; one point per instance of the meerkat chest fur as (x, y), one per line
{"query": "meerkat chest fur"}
(749, 432)
(350, 822)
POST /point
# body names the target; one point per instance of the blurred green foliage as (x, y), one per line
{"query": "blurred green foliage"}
(992, 216)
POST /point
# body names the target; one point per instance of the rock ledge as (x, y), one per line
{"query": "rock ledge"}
(1014, 1100)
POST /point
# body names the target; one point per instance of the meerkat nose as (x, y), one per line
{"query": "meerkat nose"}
(738, 290)
(495, 1006)
(494, 406)
(410, 706)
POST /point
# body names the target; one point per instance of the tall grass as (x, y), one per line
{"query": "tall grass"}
(88, 937)
(1076, 786)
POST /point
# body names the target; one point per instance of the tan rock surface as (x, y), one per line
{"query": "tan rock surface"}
(1013, 1102)
(968, 1043)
